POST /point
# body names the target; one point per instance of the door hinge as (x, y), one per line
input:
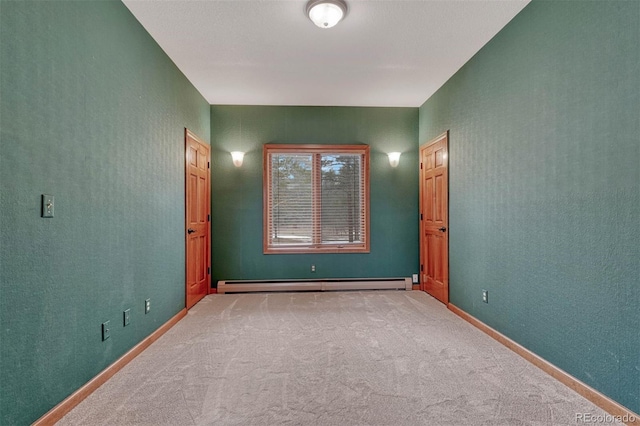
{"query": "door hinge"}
(208, 218)
(208, 165)
(421, 216)
(421, 268)
(421, 166)
(208, 270)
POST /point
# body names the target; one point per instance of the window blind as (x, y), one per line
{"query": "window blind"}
(316, 199)
(342, 211)
(291, 218)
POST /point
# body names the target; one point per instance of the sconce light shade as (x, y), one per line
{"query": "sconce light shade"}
(237, 157)
(394, 159)
(326, 13)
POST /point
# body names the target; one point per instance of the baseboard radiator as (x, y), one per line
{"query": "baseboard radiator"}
(325, 284)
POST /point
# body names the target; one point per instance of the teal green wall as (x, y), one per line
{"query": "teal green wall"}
(93, 112)
(237, 192)
(544, 203)
(545, 187)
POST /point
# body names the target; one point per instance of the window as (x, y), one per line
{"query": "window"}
(316, 198)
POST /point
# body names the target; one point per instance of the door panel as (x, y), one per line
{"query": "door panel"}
(197, 230)
(438, 200)
(434, 241)
(428, 200)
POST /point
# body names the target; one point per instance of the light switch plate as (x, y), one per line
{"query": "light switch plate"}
(106, 333)
(126, 317)
(415, 278)
(147, 306)
(47, 205)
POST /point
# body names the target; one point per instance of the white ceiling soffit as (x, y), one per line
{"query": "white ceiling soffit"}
(267, 52)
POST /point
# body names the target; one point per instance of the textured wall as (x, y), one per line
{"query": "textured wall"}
(545, 187)
(237, 192)
(92, 112)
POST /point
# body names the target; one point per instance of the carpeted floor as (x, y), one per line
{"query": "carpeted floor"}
(339, 358)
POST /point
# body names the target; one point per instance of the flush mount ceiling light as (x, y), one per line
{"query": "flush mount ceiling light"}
(326, 13)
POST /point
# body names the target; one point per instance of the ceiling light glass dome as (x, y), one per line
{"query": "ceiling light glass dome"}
(326, 13)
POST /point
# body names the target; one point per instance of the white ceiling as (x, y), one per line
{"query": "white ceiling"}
(267, 52)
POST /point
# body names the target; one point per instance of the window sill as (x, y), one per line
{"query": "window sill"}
(316, 250)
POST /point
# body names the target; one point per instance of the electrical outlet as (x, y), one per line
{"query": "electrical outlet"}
(485, 296)
(126, 317)
(313, 268)
(106, 333)
(415, 278)
(147, 306)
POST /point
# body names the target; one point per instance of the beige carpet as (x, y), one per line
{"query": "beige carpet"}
(341, 358)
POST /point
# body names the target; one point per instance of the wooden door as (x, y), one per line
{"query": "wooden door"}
(198, 215)
(434, 215)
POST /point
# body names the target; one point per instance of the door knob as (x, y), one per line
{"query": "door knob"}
(442, 229)
(191, 231)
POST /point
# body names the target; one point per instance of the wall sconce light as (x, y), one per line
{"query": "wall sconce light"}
(237, 157)
(394, 159)
(326, 13)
